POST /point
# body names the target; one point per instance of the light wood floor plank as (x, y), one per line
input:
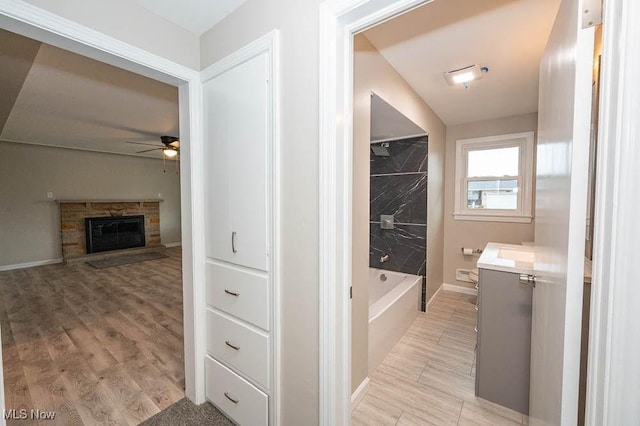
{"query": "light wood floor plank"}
(428, 378)
(97, 346)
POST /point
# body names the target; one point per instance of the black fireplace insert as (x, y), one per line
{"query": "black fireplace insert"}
(114, 233)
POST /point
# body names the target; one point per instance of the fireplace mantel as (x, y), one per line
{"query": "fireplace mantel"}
(88, 202)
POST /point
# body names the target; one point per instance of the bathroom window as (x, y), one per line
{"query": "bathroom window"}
(494, 178)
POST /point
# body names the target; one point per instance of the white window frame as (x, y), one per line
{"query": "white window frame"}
(523, 213)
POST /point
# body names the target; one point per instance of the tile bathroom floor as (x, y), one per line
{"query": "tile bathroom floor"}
(428, 378)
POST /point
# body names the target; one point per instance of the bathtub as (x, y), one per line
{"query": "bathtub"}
(393, 305)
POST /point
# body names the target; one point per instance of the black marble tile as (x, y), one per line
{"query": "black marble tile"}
(404, 196)
(406, 246)
(407, 155)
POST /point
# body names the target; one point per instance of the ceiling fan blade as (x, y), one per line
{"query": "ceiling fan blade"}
(142, 143)
(148, 150)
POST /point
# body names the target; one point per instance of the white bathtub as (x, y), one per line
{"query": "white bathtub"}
(393, 305)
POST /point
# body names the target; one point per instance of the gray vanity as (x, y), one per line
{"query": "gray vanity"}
(504, 326)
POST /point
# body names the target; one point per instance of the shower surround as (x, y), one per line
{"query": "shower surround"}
(398, 187)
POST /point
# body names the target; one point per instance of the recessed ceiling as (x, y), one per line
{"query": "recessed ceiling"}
(389, 123)
(196, 16)
(508, 36)
(63, 99)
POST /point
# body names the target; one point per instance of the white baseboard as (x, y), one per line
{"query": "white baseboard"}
(359, 393)
(433, 298)
(169, 245)
(459, 289)
(30, 264)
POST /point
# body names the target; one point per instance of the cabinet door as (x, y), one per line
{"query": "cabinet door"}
(237, 141)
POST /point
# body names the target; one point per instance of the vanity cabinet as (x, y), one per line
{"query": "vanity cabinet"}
(239, 154)
(504, 339)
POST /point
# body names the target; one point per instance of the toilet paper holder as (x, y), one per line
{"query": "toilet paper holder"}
(465, 251)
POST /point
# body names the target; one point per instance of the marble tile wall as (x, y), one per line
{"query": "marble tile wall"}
(398, 187)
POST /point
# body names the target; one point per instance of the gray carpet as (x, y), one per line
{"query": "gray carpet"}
(186, 413)
(126, 259)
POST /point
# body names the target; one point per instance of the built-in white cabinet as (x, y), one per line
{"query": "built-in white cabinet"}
(239, 125)
(236, 121)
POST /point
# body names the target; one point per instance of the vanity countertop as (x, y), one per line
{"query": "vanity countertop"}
(507, 258)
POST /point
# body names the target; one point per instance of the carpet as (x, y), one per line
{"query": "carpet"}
(186, 413)
(126, 259)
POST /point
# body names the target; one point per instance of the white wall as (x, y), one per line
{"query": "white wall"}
(30, 223)
(131, 23)
(298, 22)
(461, 233)
(373, 73)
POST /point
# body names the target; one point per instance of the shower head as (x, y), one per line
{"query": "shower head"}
(380, 150)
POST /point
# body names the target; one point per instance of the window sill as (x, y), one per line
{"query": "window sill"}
(492, 218)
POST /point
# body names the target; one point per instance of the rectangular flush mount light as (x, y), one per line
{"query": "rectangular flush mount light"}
(463, 75)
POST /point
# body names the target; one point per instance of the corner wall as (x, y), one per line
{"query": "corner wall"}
(30, 228)
(474, 234)
(372, 73)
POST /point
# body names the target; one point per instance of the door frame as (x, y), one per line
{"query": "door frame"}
(340, 20)
(31, 21)
(614, 338)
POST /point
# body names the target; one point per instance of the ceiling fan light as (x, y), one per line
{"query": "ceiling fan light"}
(170, 152)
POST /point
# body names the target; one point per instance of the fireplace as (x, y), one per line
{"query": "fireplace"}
(114, 233)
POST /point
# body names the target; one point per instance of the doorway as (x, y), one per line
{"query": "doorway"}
(46, 27)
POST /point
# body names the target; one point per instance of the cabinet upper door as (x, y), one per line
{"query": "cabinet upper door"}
(237, 137)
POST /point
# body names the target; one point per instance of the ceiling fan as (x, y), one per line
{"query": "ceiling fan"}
(170, 149)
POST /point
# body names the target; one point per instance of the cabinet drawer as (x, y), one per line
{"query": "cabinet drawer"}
(239, 346)
(233, 395)
(244, 295)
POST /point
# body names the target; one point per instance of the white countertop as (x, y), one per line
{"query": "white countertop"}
(507, 258)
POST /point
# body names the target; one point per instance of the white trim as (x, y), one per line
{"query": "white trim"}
(433, 298)
(359, 393)
(399, 138)
(268, 43)
(339, 21)
(614, 346)
(459, 289)
(30, 264)
(28, 20)
(169, 245)
(493, 218)
(524, 141)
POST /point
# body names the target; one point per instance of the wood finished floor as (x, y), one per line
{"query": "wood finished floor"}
(97, 346)
(428, 378)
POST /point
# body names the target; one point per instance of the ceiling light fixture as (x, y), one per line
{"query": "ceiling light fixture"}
(465, 75)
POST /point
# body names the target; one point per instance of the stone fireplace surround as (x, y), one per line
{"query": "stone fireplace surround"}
(73, 213)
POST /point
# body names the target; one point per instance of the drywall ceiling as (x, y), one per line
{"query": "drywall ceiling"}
(63, 99)
(196, 16)
(389, 123)
(507, 36)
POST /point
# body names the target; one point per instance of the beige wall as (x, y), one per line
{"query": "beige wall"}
(131, 23)
(298, 22)
(30, 229)
(372, 73)
(459, 233)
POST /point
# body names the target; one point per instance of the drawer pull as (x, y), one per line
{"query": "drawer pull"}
(232, 346)
(475, 329)
(235, 401)
(233, 242)
(476, 307)
(231, 292)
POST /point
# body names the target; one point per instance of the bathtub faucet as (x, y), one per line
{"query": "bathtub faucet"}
(384, 258)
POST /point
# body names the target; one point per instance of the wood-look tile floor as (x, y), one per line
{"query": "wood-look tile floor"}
(428, 378)
(97, 346)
